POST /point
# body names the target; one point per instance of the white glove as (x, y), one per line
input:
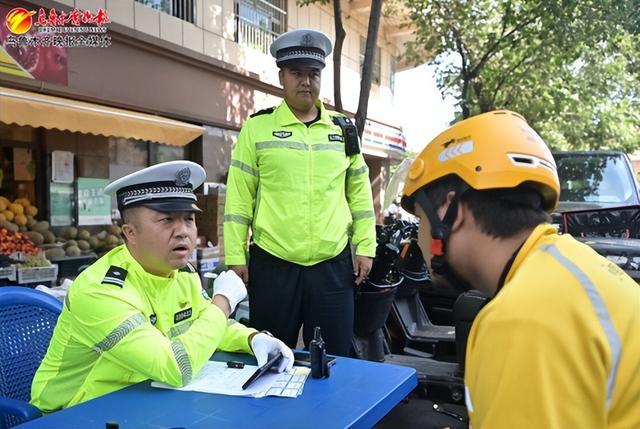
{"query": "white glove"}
(265, 347)
(229, 285)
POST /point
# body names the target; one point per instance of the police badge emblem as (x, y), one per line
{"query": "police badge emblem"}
(307, 40)
(282, 134)
(183, 176)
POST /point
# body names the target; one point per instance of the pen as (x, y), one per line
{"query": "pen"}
(235, 364)
(439, 409)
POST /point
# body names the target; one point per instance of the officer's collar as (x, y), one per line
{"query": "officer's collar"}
(285, 117)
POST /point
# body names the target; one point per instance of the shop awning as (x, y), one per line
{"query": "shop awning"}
(38, 110)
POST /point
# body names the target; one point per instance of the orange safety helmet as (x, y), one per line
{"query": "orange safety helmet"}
(489, 151)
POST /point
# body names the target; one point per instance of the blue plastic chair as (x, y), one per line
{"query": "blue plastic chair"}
(27, 320)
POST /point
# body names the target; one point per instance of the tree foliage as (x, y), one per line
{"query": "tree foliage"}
(570, 67)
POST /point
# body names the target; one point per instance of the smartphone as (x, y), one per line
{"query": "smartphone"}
(304, 359)
(262, 370)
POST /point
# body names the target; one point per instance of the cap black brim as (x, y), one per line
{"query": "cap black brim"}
(302, 63)
(169, 206)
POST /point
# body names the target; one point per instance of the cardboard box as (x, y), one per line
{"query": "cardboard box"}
(207, 220)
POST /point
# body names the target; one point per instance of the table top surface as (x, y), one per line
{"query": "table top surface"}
(357, 394)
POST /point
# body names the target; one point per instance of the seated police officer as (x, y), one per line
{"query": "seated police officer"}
(140, 312)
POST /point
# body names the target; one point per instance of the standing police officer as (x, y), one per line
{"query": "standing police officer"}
(297, 177)
(140, 312)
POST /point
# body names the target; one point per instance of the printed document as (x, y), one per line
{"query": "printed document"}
(216, 377)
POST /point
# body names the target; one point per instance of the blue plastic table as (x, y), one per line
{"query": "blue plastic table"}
(358, 394)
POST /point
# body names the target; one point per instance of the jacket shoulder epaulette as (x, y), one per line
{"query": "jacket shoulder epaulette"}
(115, 276)
(263, 112)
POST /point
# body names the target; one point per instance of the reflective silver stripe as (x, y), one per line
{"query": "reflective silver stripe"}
(182, 328)
(182, 358)
(244, 167)
(237, 219)
(602, 313)
(358, 171)
(327, 146)
(114, 280)
(119, 333)
(362, 214)
(281, 144)
(467, 399)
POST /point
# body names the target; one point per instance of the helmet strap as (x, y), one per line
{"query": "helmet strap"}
(440, 228)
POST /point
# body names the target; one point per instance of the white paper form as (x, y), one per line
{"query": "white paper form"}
(216, 377)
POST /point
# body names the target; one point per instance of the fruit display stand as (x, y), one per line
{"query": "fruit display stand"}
(31, 244)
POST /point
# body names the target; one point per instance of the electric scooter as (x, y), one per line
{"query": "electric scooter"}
(391, 324)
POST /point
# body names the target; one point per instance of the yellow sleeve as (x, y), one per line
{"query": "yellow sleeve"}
(117, 330)
(236, 335)
(236, 338)
(242, 185)
(358, 190)
(523, 373)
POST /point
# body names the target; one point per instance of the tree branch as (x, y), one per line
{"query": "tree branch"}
(493, 49)
(337, 55)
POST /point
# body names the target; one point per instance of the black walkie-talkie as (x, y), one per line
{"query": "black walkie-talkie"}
(318, 356)
(350, 134)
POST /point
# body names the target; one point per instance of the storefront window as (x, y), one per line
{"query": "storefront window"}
(216, 157)
(162, 153)
(17, 172)
(128, 155)
(17, 162)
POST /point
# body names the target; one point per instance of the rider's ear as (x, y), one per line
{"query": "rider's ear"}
(462, 216)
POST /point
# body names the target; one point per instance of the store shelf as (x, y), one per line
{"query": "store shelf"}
(8, 272)
(38, 274)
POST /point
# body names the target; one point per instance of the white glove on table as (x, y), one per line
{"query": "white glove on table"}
(231, 286)
(265, 346)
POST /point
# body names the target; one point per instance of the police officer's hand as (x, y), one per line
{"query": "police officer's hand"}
(242, 271)
(265, 346)
(362, 267)
(229, 285)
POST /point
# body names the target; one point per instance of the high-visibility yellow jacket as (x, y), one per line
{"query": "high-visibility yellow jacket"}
(121, 325)
(559, 345)
(296, 188)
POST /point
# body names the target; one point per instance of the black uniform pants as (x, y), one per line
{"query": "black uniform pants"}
(283, 296)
